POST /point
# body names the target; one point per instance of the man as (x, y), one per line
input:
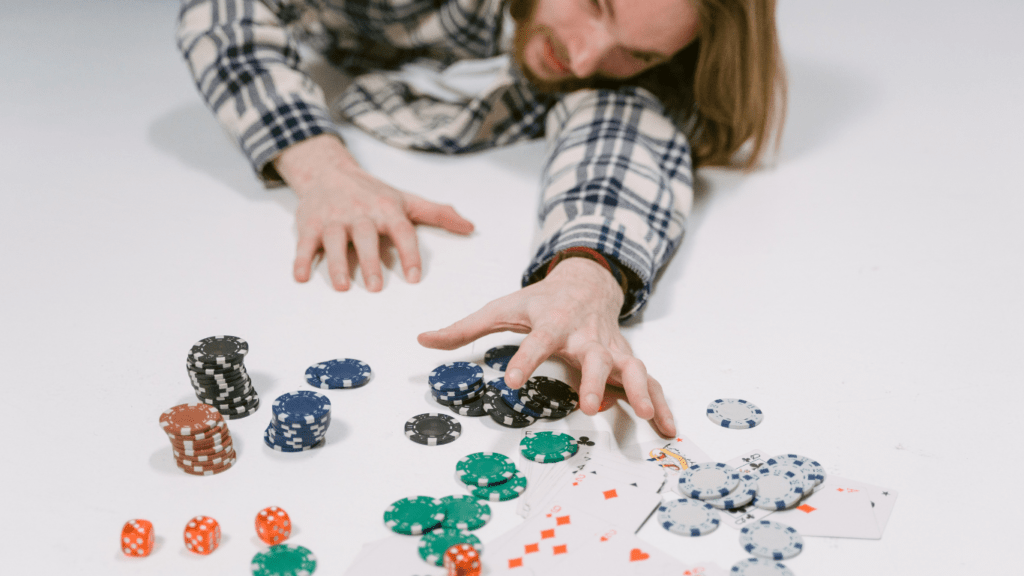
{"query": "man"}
(593, 76)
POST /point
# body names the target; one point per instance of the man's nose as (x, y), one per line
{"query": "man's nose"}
(587, 49)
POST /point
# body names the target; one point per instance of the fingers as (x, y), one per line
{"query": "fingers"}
(304, 254)
(404, 236)
(487, 320)
(433, 214)
(663, 422)
(596, 366)
(336, 253)
(367, 244)
(634, 378)
(537, 347)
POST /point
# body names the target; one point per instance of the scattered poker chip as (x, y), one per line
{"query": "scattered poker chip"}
(465, 512)
(804, 463)
(414, 515)
(484, 469)
(771, 540)
(501, 413)
(432, 429)
(687, 517)
(434, 544)
(734, 413)
(502, 492)
(189, 419)
(499, 356)
(339, 373)
(511, 397)
(284, 560)
(548, 446)
(742, 495)
(219, 349)
(779, 487)
(552, 393)
(304, 406)
(472, 409)
(455, 376)
(708, 480)
(755, 567)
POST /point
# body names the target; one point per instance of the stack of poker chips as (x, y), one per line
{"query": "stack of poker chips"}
(298, 422)
(219, 378)
(490, 476)
(199, 439)
(539, 397)
(457, 384)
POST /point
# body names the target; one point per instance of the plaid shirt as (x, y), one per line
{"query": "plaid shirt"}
(618, 177)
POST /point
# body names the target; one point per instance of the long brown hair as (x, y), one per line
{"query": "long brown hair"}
(728, 87)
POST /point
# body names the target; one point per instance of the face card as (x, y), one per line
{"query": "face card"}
(672, 456)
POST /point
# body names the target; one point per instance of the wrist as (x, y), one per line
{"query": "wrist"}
(588, 273)
(306, 164)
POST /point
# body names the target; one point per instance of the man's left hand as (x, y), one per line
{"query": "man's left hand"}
(573, 314)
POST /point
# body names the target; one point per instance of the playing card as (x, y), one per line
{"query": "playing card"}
(616, 553)
(883, 500)
(672, 456)
(610, 494)
(840, 508)
(544, 540)
(542, 477)
(396, 554)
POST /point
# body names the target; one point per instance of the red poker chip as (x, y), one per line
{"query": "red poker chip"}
(220, 430)
(208, 472)
(215, 449)
(215, 461)
(189, 419)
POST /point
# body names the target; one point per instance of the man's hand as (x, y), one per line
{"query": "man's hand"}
(339, 203)
(572, 313)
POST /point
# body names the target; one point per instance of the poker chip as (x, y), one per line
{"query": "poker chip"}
(464, 512)
(204, 471)
(804, 463)
(304, 406)
(501, 413)
(200, 442)
(779, 487)
(211, 455)
(219, 349)
(339, 373)
(552, 393)
(472, 409)
(502, 492)
(708, 480)
(511, 398)
(414, 515)
(484, 469)
(459, 398)
(455, 376)
(432, 429)
(548, 446)
(771, 540)
(218, 376)
(499, 356)
(742, 495)
(243, 411)
(687, 517)
(755, 567)
(434, 544)
(189, 419)
(283, 446)
(284, 560)
(734, 413)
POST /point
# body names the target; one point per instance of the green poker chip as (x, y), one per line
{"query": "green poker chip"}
(284, 560)
(501, 492)
(434, 544)
(548, 446)
(465, 512)
(484, 469)
(414, 515)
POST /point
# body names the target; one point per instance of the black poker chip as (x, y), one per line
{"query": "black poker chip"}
(432, 429)
(552, 392)
(502, 413)
(219, 350)
(474, 409)
(218, 376)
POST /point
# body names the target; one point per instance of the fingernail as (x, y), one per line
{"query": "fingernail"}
(593, 401)
(373, 284)
(648, 406)
(414, 275)
(514, 377)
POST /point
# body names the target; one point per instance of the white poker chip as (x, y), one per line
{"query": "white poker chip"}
(708, 480)
(755, 567)
(771, 540)
(734, 413)
(803, 463)
(687, 517)
(742, 495)
(779, 487)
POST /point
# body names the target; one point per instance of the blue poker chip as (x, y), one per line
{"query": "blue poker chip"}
(339, 373)
(280, 445)
(474, 390)
(499, 356)
(708, 480)
(687, 517)
(455, 376)
(304, 406)
(734, 413)
(755, 567)
(511, 398)
(771, 540)
(461, 400)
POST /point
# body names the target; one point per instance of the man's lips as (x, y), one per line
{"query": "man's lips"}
(552, 59)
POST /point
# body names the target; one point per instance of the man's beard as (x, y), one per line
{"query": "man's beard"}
(522, 12)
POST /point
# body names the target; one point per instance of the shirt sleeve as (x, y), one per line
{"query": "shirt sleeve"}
(618, 179)
(246, 67)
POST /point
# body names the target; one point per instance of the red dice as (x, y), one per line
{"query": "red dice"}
(202, 535)
(137, 538)
(273, 525)
(462, 560)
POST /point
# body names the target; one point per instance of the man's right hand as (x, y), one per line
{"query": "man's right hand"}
(340, 203)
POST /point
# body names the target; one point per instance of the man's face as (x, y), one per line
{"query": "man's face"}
(564, 45)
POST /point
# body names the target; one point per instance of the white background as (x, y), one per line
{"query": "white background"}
(865, 292)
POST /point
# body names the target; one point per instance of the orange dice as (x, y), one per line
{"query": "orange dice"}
(202, 535)
(137, 538)
(462, 560)
(273, 525)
